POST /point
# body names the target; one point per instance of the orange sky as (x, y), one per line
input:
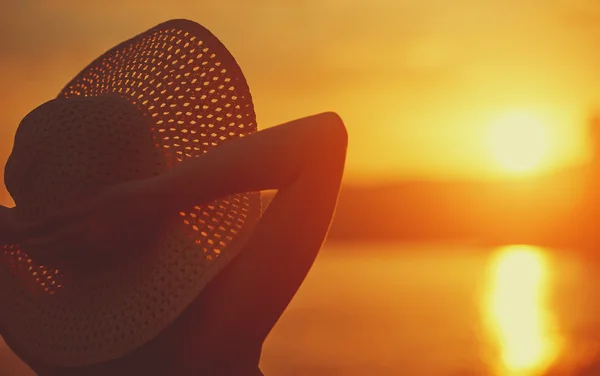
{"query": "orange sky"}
(417, 81)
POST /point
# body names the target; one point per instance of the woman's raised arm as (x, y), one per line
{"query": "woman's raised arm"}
(303, 159)
(269, 159)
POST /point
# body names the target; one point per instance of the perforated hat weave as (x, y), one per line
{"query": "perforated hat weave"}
(168, 94)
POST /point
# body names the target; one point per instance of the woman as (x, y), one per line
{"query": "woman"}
(303, 160)
(221, 332)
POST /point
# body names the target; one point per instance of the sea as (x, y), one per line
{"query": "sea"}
(434, 309)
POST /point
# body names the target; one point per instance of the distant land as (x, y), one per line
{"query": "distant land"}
(553, 210)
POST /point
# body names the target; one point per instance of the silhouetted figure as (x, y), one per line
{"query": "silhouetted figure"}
(136, 246)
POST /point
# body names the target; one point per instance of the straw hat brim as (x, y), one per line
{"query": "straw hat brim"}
(181, 76)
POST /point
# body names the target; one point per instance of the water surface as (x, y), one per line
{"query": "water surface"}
(439, 310)
(435, 310)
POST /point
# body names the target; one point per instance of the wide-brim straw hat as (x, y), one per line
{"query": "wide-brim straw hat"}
(171, 93)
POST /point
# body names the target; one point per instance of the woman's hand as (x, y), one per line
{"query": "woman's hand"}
(12, 230)
(121, 215)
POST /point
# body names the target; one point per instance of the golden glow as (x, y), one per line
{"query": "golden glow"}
(519, 141)
(517, 312)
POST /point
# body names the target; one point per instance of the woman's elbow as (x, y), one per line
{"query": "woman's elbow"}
(333, 130)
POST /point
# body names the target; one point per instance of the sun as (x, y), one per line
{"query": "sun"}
(518, 141)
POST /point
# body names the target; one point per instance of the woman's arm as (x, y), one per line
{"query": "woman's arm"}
(304, 160)
(269, 159)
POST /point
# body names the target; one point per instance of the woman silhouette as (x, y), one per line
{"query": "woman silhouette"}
(303, 160)
(222, 331)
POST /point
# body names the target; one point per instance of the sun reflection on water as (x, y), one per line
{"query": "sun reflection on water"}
(516, 308)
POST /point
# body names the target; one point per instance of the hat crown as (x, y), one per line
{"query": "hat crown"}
(68, 149)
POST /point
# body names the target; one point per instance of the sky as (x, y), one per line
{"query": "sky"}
(417, 82)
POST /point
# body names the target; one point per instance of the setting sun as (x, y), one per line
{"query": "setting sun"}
(519, 141)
